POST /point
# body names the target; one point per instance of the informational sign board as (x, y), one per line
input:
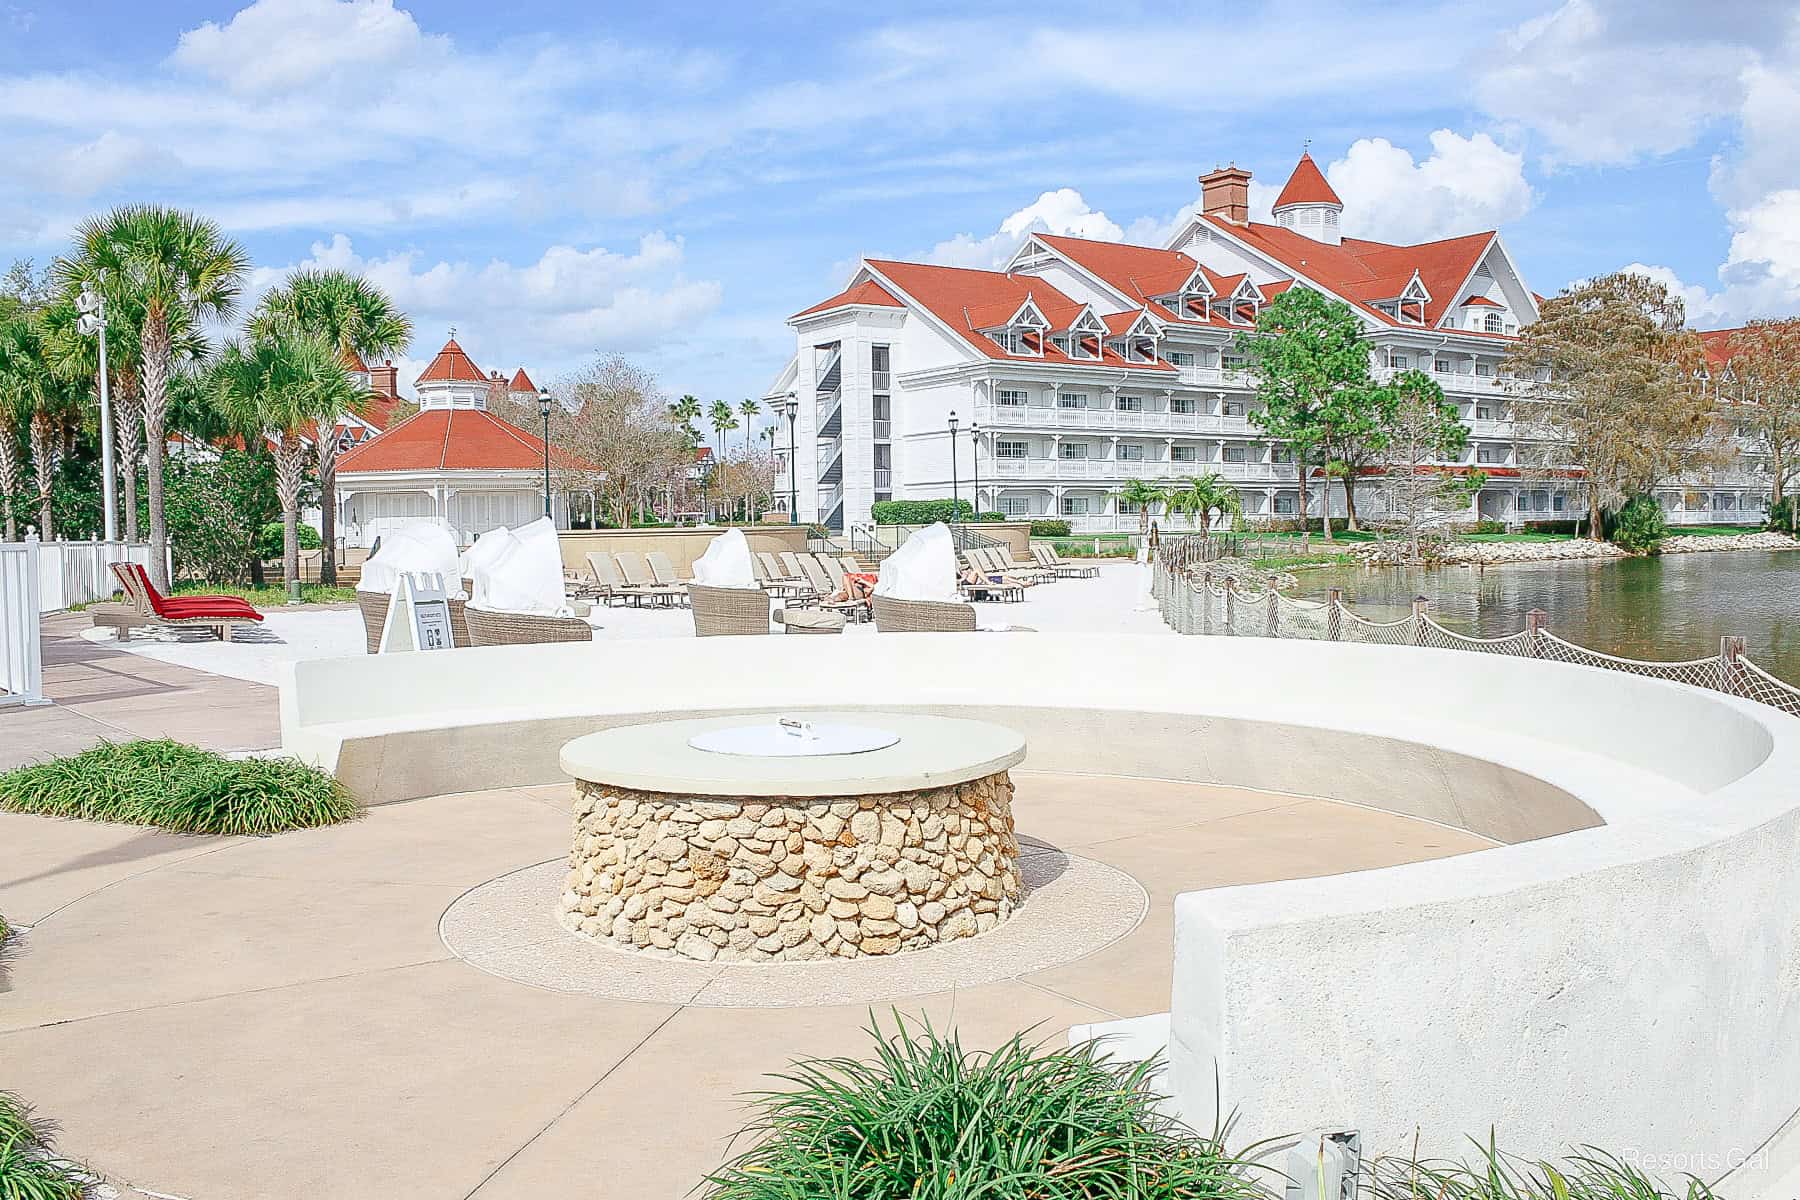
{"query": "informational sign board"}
(418, 616)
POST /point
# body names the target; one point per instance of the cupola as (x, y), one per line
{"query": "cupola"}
(1308, 206)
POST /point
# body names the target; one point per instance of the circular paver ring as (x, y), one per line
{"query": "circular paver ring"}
(1073, 906)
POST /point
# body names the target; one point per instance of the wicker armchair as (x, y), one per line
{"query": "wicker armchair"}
(922, 616)
(488, 628)
(722, 612)
(374, 606)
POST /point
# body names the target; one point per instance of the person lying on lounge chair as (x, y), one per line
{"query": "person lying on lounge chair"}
(857, 586)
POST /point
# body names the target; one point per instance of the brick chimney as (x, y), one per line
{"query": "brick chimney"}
(385, 379)
(1226, 193)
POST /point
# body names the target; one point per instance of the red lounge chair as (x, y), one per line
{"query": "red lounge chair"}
(216, 612)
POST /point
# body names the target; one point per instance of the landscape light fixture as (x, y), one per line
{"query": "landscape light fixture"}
(544, 403)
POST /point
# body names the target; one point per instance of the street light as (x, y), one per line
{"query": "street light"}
(954, 497)
(93, 322)
(791, 406)
(975, 461)
(544, 403)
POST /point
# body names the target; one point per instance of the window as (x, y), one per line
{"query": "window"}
(1232, 408)
(1010, 398)
(1484, 369)
(1556, 502)
(1231, 362)
(1181, 358)
(1492, 323)
(1075, 506)
(1182, 404)
(1016, 449)
(1015, 506)
(1235, 454)
(1071, 400)
(1071, 451)
(1186, 454)
(1441, 366)
(1284, 505)
(878, 358)
(1399, 362)
(1131, 404)
(1483, 413)
(1130, 452)
(881, 413)
(1490, 454)
(1281, 454)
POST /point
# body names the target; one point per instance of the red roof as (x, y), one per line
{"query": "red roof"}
(1717, 345)
(453, 439)
(452, 366)
(1363, 272)
(521, 382)
(1483, 301)
(378, 410)
(866, 292)
(963, 298)
(1143, 272)
(1307, 186)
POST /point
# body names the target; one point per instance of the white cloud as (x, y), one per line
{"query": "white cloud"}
(1465, 185)
(1761, 273)
(280, 45)
(1062, 211)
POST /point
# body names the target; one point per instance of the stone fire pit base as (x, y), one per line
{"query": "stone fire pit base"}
(765, 878)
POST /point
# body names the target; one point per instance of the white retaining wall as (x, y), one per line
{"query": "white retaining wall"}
(1635, 985)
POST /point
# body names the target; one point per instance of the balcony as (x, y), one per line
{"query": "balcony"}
(883, 430)
(1215, 376)
(884, 479)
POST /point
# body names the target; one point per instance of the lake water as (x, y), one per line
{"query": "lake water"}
(1673, 607)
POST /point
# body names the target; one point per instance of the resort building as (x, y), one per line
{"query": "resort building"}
(453, 462)
(1085, 364)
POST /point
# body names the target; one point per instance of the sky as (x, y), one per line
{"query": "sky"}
(671, 181)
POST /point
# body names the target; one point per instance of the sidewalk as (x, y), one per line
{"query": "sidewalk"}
(102, 694)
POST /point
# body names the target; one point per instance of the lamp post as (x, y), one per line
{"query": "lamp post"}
(791, 406)
(544, 403)
(93, 321)
(954, 497)
(975, 461)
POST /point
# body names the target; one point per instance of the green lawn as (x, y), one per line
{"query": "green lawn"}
(272, 595)
(1295, 562)
(1712, 530)
(1516, 537)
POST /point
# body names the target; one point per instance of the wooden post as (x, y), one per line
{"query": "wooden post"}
(1230, 604)
(1534, 632)
(1274, 602)
(1419, 605)
(1334, 621)
(1730, 648)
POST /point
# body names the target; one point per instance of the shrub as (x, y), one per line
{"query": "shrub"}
(1567, 526)
(179, 787)
(1049, 528)
(992, 516)
(28, 1170)
(1590, 1174)
(927, 1120)
(1782, 515)
(269, 539)
(1639, 527)
(919, 512)
(1489, 525)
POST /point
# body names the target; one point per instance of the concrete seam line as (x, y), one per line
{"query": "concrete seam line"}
(1071, 999)
(569, 1107)
(112, 883)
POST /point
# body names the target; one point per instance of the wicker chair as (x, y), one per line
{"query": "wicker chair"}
(723, 612)
(922, 616)
(489, 628)
(374, 606)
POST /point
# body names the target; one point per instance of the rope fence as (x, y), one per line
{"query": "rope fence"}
(1194, 600)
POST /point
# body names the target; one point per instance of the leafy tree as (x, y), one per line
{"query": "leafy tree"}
(1142, 494)
(1201, 495)
(352, 314)
(178, 270)
(278, 388)
(1609, 383)
(627, 438)
(1423, 430)
(722, 418)
(1312, 369)
(217, 501)
(1762, 385)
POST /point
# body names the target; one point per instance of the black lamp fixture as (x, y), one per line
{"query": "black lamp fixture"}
(791, 406)
(955, 497)
(975, 461)
(544, 405)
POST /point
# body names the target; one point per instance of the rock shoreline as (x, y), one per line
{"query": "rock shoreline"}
(1487, 554)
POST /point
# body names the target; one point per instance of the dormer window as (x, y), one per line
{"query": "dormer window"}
(1246, 301)
(1412, 302)
(1139, 340)
(1024, 332)
(1193, 301)
(1085, 334)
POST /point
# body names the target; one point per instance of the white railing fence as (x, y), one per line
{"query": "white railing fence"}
(76, 572)
(21, 653)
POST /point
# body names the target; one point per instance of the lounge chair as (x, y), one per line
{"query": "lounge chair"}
(855, 568)
(662, 570)
(642, 582)
(989, 587)
(922, 616)
(727, 612)
(1030, 572)
(823, 584)
(219, 613)
(490, 628)
(609, 583)
(791, 587)
(1048, 557)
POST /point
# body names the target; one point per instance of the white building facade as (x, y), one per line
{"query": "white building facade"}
(1087, 364)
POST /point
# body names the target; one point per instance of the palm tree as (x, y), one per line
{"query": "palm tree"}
(750, 409)
(275, 389)
(35, 395)
(177, 270)
(15, 413)
(1199, 495)
(723, 417)
(358, 318)
(1142, 494)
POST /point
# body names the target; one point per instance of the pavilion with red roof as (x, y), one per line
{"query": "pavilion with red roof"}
(453, 462)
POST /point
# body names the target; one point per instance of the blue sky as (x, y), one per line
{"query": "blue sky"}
(671, 181)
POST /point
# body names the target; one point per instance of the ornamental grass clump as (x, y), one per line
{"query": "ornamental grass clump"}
(925, 1119)
(179, 787)
(28, 1168)
(1588, 1174)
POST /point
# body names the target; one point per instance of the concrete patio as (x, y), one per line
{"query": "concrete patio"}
(222, 1018)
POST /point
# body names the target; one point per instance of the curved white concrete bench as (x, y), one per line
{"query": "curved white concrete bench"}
(1634, 984)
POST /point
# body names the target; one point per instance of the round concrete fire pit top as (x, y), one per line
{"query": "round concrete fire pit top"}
(930, 752)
